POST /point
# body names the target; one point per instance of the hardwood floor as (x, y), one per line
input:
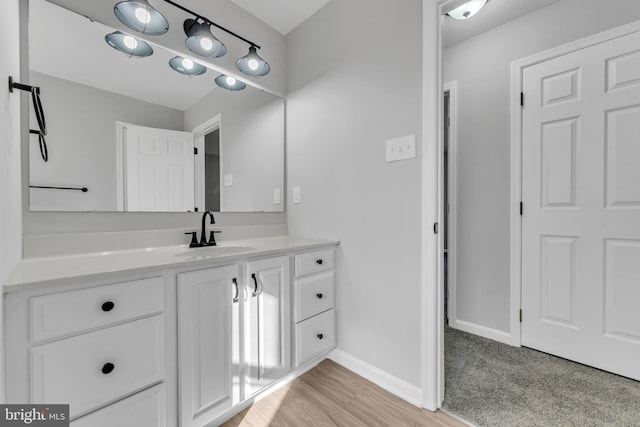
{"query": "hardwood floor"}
(330, 395)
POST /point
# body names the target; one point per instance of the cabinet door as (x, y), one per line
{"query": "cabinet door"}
(268, 330)
(209, 345)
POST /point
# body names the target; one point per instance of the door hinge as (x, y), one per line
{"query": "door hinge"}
(522, 99)
(521, 208)
(435, 228)
(520, 315)
(195, 151)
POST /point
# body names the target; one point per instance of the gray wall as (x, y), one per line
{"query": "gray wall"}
(354, 81)
(251, 145)
(81, 136)
(481, 66)
(10, 197)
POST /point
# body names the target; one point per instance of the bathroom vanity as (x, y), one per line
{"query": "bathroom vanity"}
(168, 336)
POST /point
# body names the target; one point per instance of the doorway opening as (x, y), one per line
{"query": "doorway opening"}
(209, 186)
(212, 171)
(500, 108)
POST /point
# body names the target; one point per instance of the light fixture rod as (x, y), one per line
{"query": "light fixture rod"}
(209, 21)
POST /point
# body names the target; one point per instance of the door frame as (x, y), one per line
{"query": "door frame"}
(517, 116)
(452, 199)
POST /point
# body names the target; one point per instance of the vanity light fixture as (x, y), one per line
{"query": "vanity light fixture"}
(467, 10)
(140, 16)
(128, 45)
(252, 64)
(186, 66)
(229, 82)
(201, 41)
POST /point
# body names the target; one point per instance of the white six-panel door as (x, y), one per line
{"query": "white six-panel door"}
(581, 194)
(159, 170)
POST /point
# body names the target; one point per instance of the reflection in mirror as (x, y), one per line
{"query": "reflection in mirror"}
(127, 128)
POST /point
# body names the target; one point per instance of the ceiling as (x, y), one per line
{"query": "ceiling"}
(283, 15)
(494, 14)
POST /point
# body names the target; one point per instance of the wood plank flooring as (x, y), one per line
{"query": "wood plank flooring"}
(330, 395)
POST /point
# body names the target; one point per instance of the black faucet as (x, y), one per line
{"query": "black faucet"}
(203, 236)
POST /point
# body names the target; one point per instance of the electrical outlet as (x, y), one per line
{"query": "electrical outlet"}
(401, 148)
(296, 195)
(227, 180)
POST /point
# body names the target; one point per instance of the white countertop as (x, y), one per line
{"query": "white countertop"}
(41, 271)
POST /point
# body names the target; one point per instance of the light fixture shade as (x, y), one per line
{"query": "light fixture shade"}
(252, 65)
(186, 66)
(229, 83)
(201, 41)
(128, 45)
(468, 9)
(140, 16)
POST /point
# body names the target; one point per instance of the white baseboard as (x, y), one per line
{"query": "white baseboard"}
(393, 385)
(483, 331)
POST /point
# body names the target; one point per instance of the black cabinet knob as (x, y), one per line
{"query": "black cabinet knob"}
(108, 368)
(320, 336)
(319, 261)
(108, 306)
(320, 296)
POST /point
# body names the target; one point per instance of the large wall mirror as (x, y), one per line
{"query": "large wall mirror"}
(139, 136)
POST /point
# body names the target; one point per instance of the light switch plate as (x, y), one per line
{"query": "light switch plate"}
(227, 180)
(296, 195)
(276, 196)
(401, 148)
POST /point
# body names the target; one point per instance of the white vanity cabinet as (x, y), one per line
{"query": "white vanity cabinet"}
(314, 307)
(208, 343)
(267, 323)
(89, 347)
(233, 335)
(187, 343)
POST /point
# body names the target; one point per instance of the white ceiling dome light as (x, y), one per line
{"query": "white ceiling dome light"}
(467, 10)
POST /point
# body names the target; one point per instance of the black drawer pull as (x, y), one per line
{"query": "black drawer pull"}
(319, 261)
(320, 336)
(108, 368)
(108, 306)
(320, 296)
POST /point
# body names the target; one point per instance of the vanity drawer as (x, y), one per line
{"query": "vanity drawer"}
(65, 313)
(315, 336)
(145, 409)
(314, 295)
(94, 369)
(314, 262)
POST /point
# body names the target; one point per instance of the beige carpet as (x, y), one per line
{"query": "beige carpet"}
(493, 384)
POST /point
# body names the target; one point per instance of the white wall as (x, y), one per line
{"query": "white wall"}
(81, 140)
(10, 196)
(251, 146)
(481, 66)
(354, 81)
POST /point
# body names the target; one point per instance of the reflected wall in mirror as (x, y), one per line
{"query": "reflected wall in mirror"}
(127, 128)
